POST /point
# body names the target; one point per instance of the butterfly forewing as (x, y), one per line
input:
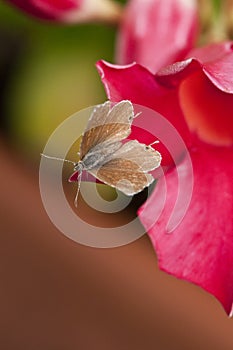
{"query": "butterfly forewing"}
(107, 125)
(122, 112)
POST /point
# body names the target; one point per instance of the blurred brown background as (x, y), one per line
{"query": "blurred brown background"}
(54, 293)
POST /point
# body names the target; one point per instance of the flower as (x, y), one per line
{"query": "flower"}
(70, 11)
(156, 33)
(196, 96)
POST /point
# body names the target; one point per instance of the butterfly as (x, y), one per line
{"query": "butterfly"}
(124, 166)
(103, 155)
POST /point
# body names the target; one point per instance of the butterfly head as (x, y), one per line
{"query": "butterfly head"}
(79, 166)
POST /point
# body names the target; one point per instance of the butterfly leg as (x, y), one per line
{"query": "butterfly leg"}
(78, 188)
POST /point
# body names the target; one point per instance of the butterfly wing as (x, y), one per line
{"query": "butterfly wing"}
(127, 170)
(146, 157)
(107, 124)
(124, 175)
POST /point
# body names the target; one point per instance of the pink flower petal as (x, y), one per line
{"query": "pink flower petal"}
(205, 91)
(155, 33)
(216, 62)
(200, 249)
(137, 84)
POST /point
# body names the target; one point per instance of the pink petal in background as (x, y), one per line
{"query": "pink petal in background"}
(71, 11)
(47, 9)
(155, 33)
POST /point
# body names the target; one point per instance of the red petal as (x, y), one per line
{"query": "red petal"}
(138, 85)
(74, 177)
(200, 249)
(141, 39)
(85, 177)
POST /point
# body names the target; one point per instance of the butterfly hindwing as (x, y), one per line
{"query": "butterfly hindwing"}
(124, 175)
(145, 156)
(128, 167)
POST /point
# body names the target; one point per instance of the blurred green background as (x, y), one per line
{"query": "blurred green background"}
(47, 73)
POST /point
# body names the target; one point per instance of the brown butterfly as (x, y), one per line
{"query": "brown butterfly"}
(103, 155)
(124, 166)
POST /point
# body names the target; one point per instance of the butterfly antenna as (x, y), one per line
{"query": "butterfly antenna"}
(78, 188)
(156, 141)
(137, 115)
(55, 158)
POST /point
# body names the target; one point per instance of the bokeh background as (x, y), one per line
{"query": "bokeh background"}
(54, 293)
(47, 73)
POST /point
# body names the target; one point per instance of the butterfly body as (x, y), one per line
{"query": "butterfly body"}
(97, 156)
